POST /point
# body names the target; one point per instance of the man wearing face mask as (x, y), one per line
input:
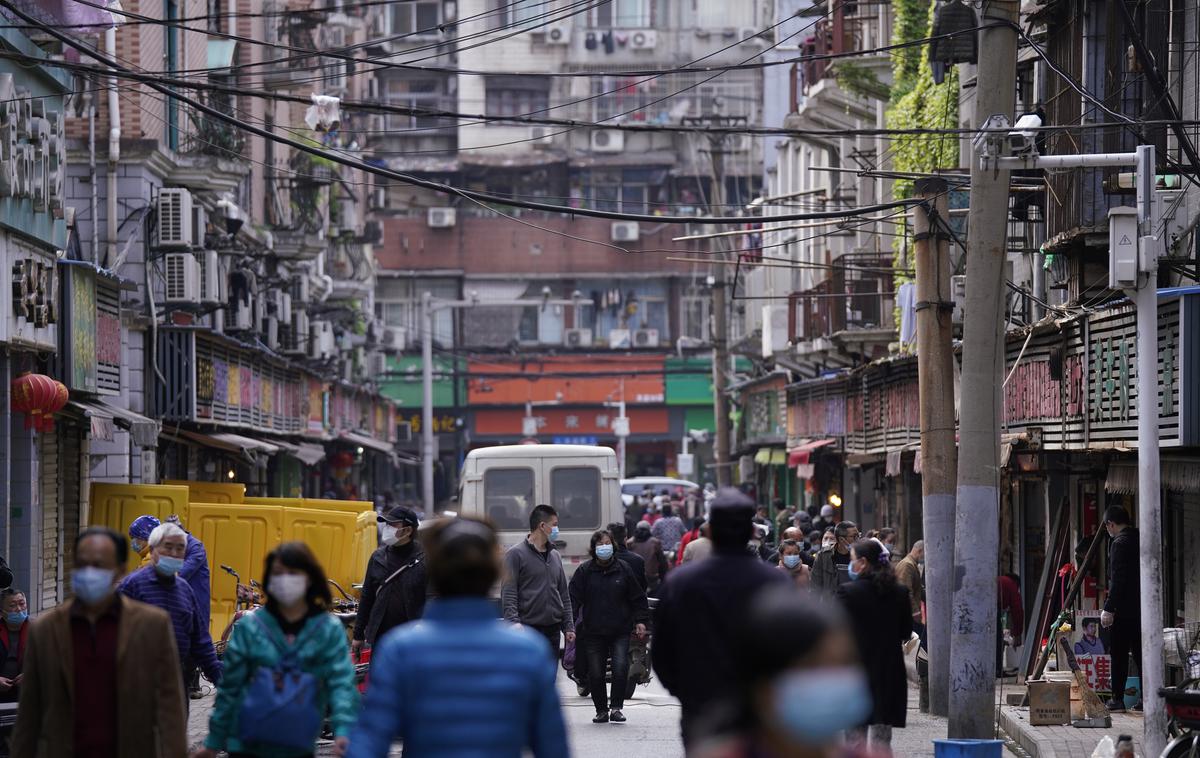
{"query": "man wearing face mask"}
(831, 566)
(534, 591)
(139, 536)
(395, 587)
(160, 585)
(97, 675)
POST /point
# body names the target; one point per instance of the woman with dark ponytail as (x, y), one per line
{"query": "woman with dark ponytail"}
(879, 613)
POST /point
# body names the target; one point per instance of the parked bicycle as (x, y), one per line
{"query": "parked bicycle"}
(248, 597)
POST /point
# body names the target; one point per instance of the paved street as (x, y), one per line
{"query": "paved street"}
(652, 730)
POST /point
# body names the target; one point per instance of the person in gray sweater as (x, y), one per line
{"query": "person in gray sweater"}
(534, 590)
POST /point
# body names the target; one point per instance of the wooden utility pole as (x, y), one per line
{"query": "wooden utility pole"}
(977, 517)
(939, 454)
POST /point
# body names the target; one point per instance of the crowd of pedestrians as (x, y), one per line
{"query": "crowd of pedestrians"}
(778, 635)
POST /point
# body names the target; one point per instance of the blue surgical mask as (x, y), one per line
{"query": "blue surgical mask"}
(851, 572)
(813, 706)
(168, 566)
(16, 618)
(554, 534)
(91, 585)
(791, 561)
(604, 552)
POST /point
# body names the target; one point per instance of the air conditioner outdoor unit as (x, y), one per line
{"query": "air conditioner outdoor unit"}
(441, 218)
(240, 316)
(320, 335)
(199, 225)
(643, 39)
(958, 294)
(619, 339)
(541, 136)
(300, 290)
(284, 308)
(394, 338)
(625, 231)
(210, 276)
(174, 217)
(379, 366)
(608, 141)
(578, 338)
(556, 34)
(748, 34)
(299, 333)
(182, 272)
(645, 338)
(379, 198)
(222, 282)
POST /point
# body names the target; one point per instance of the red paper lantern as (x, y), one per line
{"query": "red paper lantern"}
(39, 397)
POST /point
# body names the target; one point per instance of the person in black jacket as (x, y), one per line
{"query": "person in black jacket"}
(881, 617)
(1122, 609)
(701, 608)
(395, 587)
(613, 604)
(632, 559)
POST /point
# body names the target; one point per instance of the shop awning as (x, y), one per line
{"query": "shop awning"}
(361, 440)
(1176, 476)
(803, 453)
(309, 454)
(102, 416)
(771, 456)
(232, 443)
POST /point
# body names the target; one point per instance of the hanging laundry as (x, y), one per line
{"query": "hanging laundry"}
(906, 297)
(609, 46)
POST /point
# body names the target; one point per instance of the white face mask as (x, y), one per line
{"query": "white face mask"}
(387, 533)
(287, 589)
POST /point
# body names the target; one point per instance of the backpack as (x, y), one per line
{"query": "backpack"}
(280, 694)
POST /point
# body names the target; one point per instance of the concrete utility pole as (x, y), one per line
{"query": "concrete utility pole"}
(939, 454)
(427, 443)
(977, 518)
(720, 305)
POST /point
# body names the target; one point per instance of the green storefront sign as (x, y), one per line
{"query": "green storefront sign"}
(403, 384)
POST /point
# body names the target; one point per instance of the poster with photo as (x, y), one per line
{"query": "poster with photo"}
(1091, 651)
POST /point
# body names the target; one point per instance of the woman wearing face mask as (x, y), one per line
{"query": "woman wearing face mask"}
(880, 615)
(613, 605)
(800, 687)
(395, 585)
(790, 561)
(293, 629)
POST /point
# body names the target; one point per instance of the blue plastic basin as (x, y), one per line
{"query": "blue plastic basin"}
(968, 748)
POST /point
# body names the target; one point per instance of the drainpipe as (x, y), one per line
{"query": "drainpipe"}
(91, 103)
(114, 143)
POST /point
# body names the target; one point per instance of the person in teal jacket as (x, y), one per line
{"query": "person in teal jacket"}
(295, 613)
(460, 681)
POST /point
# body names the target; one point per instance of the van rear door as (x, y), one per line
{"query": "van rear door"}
(576, 488)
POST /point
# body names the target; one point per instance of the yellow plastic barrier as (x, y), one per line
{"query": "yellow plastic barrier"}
(331, 536)
(212, 492)
(366, 539)
(237, 535)
(117, 505)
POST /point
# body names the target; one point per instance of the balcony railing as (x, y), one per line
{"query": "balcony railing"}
(858, 296)
(850, 28)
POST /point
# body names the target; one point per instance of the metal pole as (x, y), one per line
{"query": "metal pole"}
(977, 516)
(720, 369)
(621, 450)
(427, 451)
(1149, 519)
(939, 455)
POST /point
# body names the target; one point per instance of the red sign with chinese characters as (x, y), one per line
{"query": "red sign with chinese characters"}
(567, 379)
(593, 421)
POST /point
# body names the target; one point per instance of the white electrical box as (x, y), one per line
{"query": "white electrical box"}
(685, 464)
(1122, 247)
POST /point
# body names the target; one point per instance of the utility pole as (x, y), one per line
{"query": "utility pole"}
(427, 449)
(721, 366)
(939, 454)
(977, 518)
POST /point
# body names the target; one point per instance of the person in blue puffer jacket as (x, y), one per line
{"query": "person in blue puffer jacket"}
(460, 681)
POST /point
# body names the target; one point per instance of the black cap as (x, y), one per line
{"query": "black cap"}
(731, 503)
(400, 514)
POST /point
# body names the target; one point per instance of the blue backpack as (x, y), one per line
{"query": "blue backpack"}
(282, 694)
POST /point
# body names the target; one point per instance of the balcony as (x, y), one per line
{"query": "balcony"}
(852, 311)
(850, 27)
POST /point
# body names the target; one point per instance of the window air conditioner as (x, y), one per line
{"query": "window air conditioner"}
(182, 272)
(645, 338)
(441, 218)
(625, 231)
(578, 338)
(608, 141)
(541, 136)
(174, 217)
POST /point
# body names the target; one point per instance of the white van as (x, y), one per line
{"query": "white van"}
(581, 483)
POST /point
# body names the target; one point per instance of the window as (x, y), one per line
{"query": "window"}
(541, 325)
(398, 303)
(694, 316)
(508, 497)
(418, 93)
(629, 191)
(506, 13)
(516, 96)
(624, 14)
(575, 494)
(416, 17)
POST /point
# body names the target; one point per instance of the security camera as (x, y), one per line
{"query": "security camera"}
(1022, 140)
(989, 141)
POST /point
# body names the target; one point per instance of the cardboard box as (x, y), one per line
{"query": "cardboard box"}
(1049, 703)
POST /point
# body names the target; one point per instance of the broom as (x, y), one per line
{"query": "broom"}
(1095, 714)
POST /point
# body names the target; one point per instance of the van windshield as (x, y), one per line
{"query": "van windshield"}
(575, 494)
(508, 495)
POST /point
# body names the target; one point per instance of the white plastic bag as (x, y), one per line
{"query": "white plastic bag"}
(910, 658)
(1106, 748)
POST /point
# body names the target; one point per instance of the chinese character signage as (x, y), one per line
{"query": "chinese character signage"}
(80, 352)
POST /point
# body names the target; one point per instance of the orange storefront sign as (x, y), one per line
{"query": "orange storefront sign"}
(571, 380)
(595, 421)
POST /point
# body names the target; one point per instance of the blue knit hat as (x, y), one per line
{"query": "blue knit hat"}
(142, 526)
